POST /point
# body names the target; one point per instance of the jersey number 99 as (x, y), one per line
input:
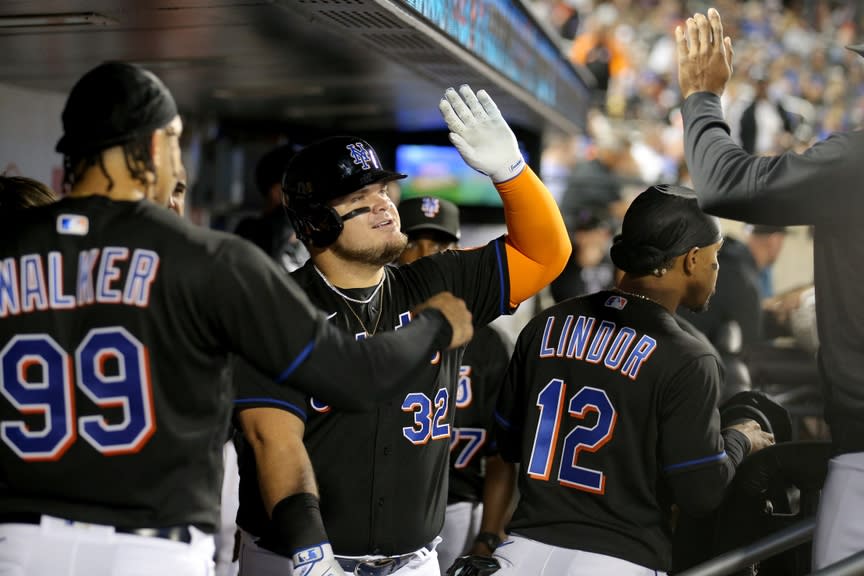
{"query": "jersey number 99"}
(550, 401)
(52, 394)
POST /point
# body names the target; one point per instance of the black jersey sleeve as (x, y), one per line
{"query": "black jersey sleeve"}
(509, 409)
(691, 447)
(479, 276)
(496, 359)
(255, 390)
(268, 320)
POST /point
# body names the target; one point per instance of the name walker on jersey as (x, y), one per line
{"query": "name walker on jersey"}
(35, 282)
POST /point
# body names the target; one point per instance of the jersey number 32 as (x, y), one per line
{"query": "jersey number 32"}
(550, 401)
(38, 377)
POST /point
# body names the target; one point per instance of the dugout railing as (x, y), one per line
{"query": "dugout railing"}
(776, 543)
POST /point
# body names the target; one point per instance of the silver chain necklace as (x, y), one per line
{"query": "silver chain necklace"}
(349, 298)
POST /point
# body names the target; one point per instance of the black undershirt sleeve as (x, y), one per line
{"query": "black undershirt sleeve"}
(267, 319)
(379, 367)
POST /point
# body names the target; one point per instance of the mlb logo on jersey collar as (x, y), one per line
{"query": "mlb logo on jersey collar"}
(617, 302)
(73, 224)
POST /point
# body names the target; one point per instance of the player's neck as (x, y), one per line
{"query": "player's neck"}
(120, 186)
(653, 289)
(348, 274)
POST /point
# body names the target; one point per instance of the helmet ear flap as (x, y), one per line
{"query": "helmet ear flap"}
(316, 224)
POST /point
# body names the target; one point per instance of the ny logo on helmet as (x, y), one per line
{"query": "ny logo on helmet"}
(430, 207)
(361, 156)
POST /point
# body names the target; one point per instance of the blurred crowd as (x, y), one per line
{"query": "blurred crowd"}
(794, 81)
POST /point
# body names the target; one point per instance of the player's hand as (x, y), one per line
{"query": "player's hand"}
(473, 566)
(481, 135)
(316, 561)
(704, 55)
(456, 313)
(758, 438)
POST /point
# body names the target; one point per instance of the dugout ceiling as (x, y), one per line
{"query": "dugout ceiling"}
(352, 64)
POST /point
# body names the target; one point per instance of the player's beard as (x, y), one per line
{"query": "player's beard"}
(373, 256)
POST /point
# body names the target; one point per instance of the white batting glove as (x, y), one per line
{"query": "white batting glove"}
(316, 561)
(481, 135)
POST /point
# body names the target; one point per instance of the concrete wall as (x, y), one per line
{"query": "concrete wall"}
(29, 128)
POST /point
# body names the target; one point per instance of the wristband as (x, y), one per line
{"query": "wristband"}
(488, 539)
(296, 524)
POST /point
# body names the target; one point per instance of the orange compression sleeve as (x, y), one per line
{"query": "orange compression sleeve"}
(538, 245)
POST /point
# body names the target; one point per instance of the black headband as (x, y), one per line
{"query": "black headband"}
(663, 222)
(113, 104)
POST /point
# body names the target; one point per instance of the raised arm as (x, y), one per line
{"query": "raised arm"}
(786, 190)
(537, 242)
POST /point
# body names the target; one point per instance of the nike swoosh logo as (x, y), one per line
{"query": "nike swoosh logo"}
(515, 165)
(331, 315)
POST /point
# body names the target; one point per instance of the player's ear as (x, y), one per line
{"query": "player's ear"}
(691, 258)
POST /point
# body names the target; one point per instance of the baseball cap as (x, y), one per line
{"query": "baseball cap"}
(111, 105)
(430, 213)
(331, 168)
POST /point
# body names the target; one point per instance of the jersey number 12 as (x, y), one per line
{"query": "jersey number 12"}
(550, 401)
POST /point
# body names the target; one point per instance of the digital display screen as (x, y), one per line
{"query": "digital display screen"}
(440, 171)
(506, 37)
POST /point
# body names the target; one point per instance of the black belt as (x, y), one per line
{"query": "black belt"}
(173, 533)
(378, 567)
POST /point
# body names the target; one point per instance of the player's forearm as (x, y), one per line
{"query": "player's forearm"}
(287, 486)
(283, 465)
(350, 375)
(537, 242)
(499, 489)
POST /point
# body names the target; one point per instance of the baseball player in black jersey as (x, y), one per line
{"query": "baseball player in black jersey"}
(116, 322)
(608, 402)
(480, 484)
(382, 474)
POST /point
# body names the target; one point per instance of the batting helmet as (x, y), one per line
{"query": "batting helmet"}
(323, 171)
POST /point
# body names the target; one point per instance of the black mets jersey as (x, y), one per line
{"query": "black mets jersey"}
(481, 376)
(605, 395)
(116, 324)
(382, 474)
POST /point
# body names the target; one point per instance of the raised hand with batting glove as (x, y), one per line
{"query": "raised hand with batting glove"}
(481, 134)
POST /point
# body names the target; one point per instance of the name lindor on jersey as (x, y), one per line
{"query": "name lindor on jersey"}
(589, 340)
(34, 282)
